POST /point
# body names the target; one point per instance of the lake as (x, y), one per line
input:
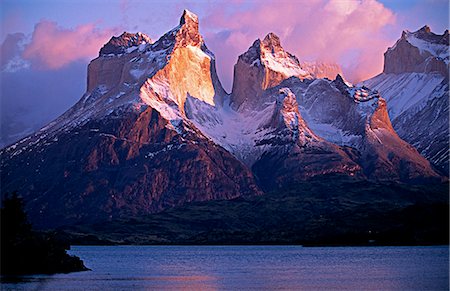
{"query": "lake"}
(250, 267)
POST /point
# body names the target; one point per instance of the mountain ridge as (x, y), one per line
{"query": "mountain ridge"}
(156, 130)
(416, 86)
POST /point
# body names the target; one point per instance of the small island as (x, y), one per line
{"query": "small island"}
(26, 251)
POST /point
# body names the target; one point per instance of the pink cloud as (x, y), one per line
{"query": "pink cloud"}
(53, 47)
(349, 33)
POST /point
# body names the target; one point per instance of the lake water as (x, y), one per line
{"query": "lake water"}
(250, 267)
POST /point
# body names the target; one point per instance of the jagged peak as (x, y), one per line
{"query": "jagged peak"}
(187, 33)
(269, 53)
(426, 34)
(271, 42)
(419, 51)
(119, 44)
(184, 34)
(286, 111)
(359, 94)
(425, 29)
(341, 80)
(188, 17)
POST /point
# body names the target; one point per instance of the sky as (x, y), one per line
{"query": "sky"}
(47, 44)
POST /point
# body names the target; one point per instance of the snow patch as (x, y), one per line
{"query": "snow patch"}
(155, 94)
(200, 54)
(131, 49)
(404, 91)
(284, 65)
(177, 125)
(136, 73)
(437, 50)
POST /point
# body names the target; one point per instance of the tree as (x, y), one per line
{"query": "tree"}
(24, 251)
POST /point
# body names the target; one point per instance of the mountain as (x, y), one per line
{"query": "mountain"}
(281, 118)
(125, 148)
(264, 65)
(415, 85)
(156, 130)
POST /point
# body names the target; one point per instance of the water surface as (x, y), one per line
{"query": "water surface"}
(250, 267)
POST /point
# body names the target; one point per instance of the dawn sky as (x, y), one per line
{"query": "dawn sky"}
(44, 41)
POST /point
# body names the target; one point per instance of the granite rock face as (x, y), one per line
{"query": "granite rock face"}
(357, 117)
(109, 68)
(415, 85)
(120, 44)
(264, 65)
(420, 52)
(295, 152)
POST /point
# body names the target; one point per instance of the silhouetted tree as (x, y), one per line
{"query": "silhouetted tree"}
(24, 251)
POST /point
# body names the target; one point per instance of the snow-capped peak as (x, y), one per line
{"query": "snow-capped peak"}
(271, 43)
(161, 74)
(183, 35)
(421, 51)
(425, 29)
(121, 44)
(289, 108)
(264, 65)
(427, 42)
(270, 54)
(340, 78)
(188, 16)
(275, 58)
(287, 115)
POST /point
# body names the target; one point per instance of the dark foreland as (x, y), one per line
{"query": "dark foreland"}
(25, 251)
(331, 210)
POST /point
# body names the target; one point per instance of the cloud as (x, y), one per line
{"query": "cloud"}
(53, 47)
(346, 32)
(43, 74)
(29, 99)
(10, 54)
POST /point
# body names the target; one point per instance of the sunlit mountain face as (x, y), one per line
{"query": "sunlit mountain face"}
(155, 129)
(414, 82)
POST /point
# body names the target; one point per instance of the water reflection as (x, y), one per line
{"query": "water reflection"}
(250, 267)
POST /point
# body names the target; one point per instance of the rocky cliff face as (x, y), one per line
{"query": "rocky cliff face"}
(124, 43)
(108, 69)
(420, 52)
(129, 165)
(294, 151)
(264, 65)
(415, 85)
(357, 117)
